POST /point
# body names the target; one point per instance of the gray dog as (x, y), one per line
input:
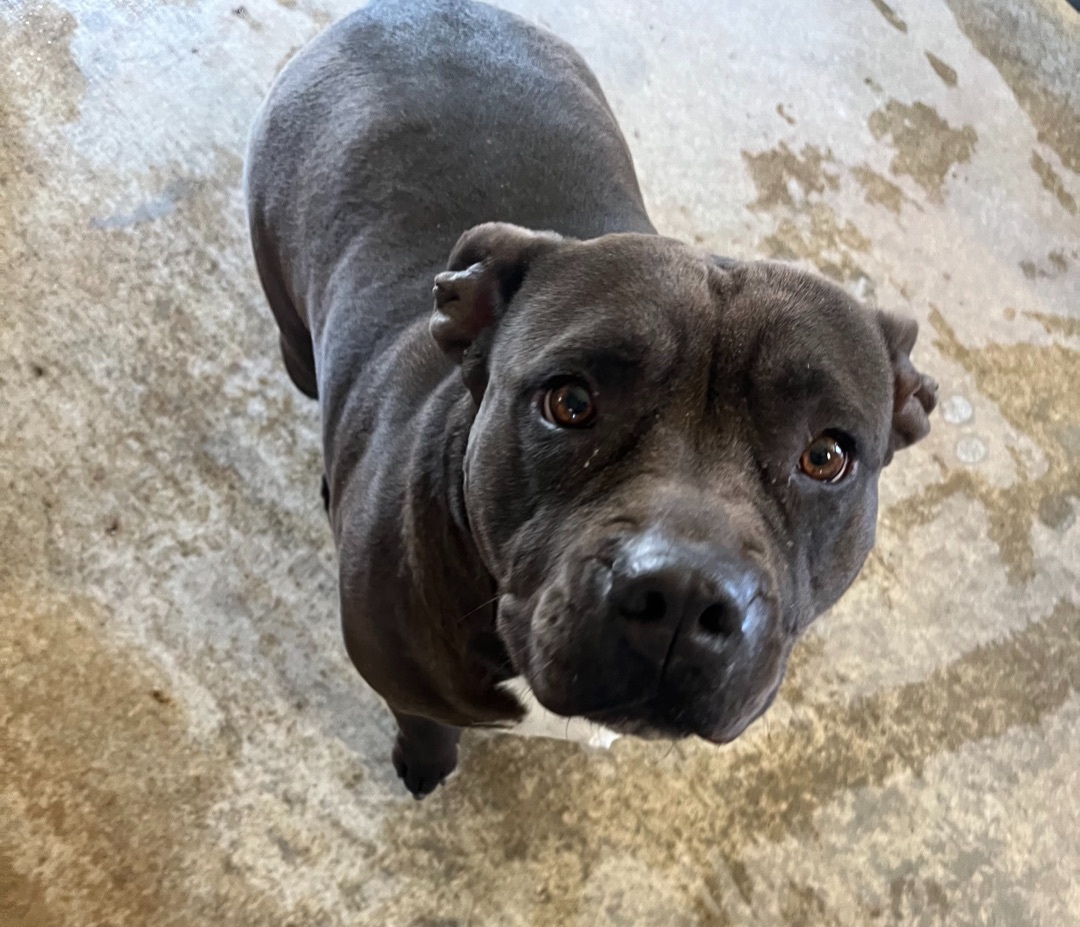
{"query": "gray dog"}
(609, 474)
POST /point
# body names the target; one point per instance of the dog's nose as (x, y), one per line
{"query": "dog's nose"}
(672, 592)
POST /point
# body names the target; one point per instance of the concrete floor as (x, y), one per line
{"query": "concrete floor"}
(183, 741)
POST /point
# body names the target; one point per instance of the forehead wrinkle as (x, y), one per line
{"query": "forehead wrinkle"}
(816, 380)
(587, 342)
(831, 345)
(810, 383)
(643, 335)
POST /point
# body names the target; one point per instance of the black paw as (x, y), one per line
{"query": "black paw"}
(423, 772)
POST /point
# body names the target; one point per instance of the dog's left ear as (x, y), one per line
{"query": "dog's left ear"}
(914, 393)
(486, 269)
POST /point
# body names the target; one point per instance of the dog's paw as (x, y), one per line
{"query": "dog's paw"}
(422, 773)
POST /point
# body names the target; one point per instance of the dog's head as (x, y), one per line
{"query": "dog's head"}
(673, 465)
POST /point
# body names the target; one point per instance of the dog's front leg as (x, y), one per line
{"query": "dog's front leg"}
(425, 753)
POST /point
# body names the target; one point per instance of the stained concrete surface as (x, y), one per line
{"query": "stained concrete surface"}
(183, 741)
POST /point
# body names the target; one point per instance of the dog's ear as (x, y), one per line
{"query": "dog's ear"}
(485, 270)
(914, 393)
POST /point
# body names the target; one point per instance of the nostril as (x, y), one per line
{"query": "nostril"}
(644, 605)
(721, 619)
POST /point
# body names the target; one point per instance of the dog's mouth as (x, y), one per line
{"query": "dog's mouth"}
(665, 707)
(640, 673)
(655, 718)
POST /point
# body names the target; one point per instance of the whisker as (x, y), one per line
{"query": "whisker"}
(494, 598)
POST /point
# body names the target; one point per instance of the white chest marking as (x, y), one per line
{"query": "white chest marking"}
(539, 722)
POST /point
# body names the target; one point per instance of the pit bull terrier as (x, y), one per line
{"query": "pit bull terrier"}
(606, 474)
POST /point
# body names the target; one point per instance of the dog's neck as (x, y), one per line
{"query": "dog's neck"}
(449, 577)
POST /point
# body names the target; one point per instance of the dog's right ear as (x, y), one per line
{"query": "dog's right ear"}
(485, 270)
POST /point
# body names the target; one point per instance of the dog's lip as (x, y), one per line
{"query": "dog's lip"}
(729, 734)
(735, 731)
(611, 711)
(655, 724)
(643, 728)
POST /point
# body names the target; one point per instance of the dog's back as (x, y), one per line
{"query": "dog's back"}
(405, 124)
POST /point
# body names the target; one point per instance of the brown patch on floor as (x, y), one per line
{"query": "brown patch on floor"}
(1053, 183)
(48, 87)
(1056, 324)
(946, 73)
(890, 15)
(819, 237)
(775, 169)
(807, 229)
(22, 898)
(48, 82)
(877, 189)
(102, 775)
(556, 810)
(1031, 269)
(1017, 38)
(805, 906)
(1034, 389)
(1058, 265)
(927, 147)
(789, 119)
(244, 14)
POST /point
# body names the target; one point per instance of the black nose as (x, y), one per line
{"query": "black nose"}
(661, 593)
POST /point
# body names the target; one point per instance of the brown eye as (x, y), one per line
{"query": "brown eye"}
(826, 460)
(569, 405)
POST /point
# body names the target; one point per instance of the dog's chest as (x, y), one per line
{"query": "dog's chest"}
(539, 722)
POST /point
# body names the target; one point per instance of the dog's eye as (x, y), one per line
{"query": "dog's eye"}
(826, 459)
(569, 405)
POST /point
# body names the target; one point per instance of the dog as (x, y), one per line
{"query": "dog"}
(605, 474)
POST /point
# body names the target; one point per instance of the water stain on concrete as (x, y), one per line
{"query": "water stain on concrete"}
(829, 244)
(48, 83)
(1053, 183)
(157, 207)
(890, 15)
(1058, 264)
(1056, 324)
(44, 87)
(775, 171)
(1037, 53)
(244, 14)
(22, 898)
(878, 190)
(913, 899)
(559, 809)
(1033, 388)
(1058, 259)
(104, 778)
(946, 73)
(791, 183)
(927, 147)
